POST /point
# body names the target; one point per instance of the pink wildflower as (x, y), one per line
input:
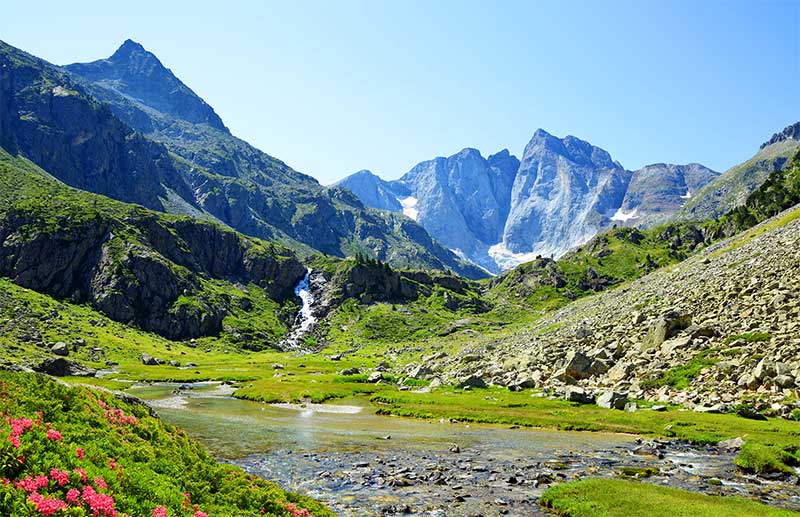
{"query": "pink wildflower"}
(159, 511)
(73, 496)
(200, 514)
(32, 484)
(101, 505)
(20, 425)
(79, 453)
(59, 476)
(53, 435)
(101, 483)
(81, 473)
(46, 506)
(14, 441)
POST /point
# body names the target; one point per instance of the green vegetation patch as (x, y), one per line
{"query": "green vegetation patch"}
(82, 452)
(620, 498)
(680, 377)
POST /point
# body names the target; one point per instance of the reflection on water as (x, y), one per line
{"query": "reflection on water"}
(233, 428)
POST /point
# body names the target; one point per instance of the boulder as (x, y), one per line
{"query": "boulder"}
(579, 395)
(472, 381)
(715, 408)
(750, 413)
(612, 400)
(734, 444)
(60, 348)
(784, 381)
(420, 372)
(149, 360)
(350, 371)
(578, 365)
(174, 363)
(666, 326)
(60, 367)
(375, 377)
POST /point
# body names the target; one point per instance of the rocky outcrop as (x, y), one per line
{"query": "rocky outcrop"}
(656, 192)
(137, 269)
(373, 282)
(732, 188)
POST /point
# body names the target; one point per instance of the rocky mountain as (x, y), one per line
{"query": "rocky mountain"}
(127, 128)
(499, 212)
(462, 200)
(656, 192)
(176, 276)
(731, 188)
(565, 192)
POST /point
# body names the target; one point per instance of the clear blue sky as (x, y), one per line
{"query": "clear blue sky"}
(336, 86)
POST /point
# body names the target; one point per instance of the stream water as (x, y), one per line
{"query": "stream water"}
(361, 463)
(305, 319)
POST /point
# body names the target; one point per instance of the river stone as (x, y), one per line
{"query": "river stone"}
(612, 400)
(60, 348)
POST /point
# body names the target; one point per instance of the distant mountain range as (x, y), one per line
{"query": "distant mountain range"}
(499, 211)
(127, 128)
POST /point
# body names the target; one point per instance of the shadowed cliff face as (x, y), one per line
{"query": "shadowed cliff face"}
(48, 118)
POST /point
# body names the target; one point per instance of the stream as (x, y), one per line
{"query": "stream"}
(362, 464)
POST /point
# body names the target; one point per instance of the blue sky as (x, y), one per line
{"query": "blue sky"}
(332, 87)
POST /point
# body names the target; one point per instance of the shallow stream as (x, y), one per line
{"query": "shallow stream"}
(361, 463)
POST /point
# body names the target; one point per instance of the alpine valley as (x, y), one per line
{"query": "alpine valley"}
(190, 327)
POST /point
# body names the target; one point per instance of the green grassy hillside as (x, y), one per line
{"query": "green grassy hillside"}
(79, 452)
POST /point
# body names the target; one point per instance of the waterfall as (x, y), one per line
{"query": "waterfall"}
(305, 319)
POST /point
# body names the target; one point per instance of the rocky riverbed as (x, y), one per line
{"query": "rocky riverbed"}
(476, 481)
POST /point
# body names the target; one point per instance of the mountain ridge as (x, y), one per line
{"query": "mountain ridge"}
(111, 144)
(563, 192)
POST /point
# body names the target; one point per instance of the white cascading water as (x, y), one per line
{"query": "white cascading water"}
(305, 319)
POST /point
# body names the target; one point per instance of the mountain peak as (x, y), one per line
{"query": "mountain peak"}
(139, 76)
(128, 47)
(792, 132)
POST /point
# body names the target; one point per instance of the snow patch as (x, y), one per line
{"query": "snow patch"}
(688, 194)
(622, 216)
(507, 259)
(409, 205)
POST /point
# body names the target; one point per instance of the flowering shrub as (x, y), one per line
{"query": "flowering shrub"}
(71, 452)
